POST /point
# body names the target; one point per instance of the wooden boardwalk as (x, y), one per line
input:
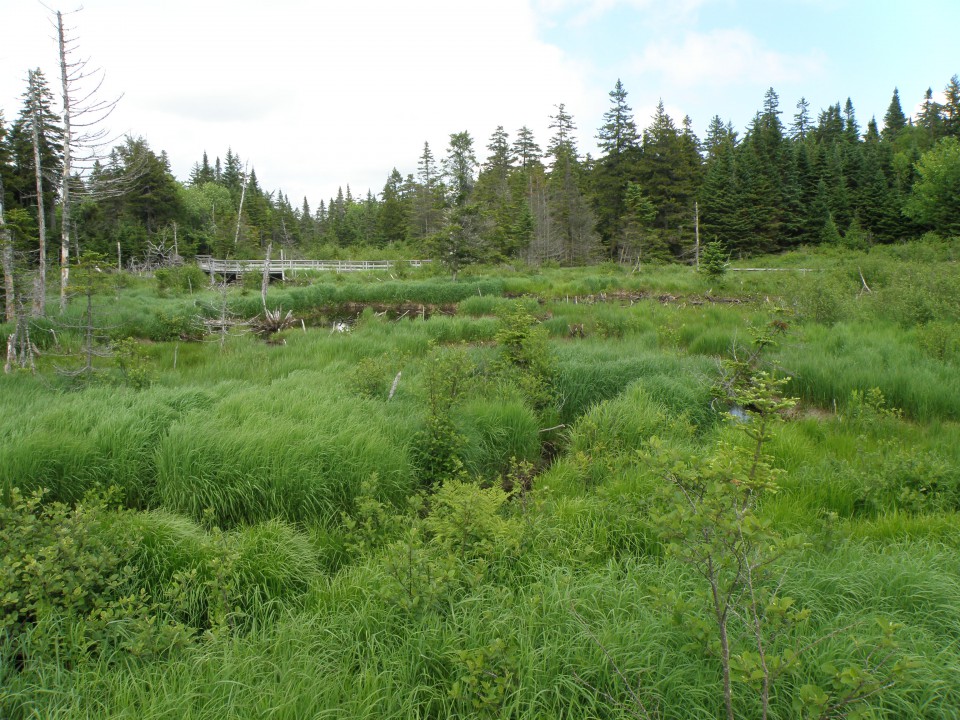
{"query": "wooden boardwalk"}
(283, 266)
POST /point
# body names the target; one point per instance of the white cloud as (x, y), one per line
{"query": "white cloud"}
(722, 58)
(315, 95)
(583, 11)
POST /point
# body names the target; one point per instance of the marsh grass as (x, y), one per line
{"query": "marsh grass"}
(244, 461)
(296, 449)
(71, 442)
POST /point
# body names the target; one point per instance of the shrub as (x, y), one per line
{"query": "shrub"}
(184, 278)
(69, 588)
(179, 325)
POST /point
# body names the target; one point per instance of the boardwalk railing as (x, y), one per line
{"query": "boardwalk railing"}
(239, 267)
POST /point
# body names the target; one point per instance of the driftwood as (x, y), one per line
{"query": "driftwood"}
(272, 321)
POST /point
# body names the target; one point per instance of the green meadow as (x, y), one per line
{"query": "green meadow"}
(516, 495)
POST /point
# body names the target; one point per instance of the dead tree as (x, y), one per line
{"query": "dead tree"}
(40, 292)
(20, 349)
(243, 195)
(84, 136)
(6, 257)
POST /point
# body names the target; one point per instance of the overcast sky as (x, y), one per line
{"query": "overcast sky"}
(320, 94)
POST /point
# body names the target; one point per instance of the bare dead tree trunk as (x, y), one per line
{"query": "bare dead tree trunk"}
(265, 280)
(243, 194)
(6, 257)
(65, 187)
(40, 292)
(696, 230)
(84, 139)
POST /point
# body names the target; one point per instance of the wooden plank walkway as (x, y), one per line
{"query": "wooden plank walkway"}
(282, 266)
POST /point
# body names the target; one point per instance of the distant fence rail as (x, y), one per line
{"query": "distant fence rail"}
(239, 267)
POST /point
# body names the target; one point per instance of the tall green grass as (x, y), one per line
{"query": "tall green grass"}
(248, 456)
(70, 442)
(297, 449)
(828, 364)
(590, 372)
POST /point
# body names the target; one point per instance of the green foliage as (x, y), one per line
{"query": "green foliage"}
(176, 325)
(68, 590)
(714, 259)
(896, 477)
(870, 406)
(939, 340)
(825, 298)
(371, 377)
(486, 677)
(339, 586)
(180, 279)
(934, 202)
(436, 448)
(462, 541)
(133, 363)
(525, 357)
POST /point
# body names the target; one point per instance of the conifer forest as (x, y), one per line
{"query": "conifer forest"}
(668, 432)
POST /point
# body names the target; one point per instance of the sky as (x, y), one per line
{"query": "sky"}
(318, 95)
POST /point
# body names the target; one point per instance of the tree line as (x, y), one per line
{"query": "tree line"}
(652, 194)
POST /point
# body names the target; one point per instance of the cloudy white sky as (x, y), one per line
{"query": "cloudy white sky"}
(320, 94)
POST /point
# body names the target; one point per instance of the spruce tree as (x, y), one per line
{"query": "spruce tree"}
(308, 226)
(894, 121)
(459, 168)
(668, 170)
(6, 165)
(500, 160)
(878, 209)
(618, 134)
(619, 143)
(850, 126)
(569, 211)
(501, 194)
(930, 119)
(38, 103)
(717, 134)
(202, 172)
(426, 215)
(525, 148)
(801, 121)
(719, 197)
(951, 107)
(394, 215)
